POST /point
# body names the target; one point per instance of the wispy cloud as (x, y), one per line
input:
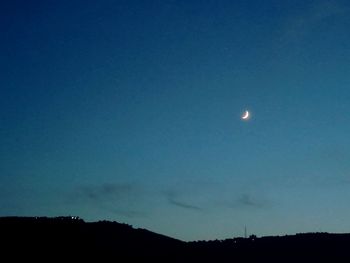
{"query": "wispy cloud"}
(183, 205)
(108, 190)
(247, 200)
(117, 198)
(298, 25)
(174, 199)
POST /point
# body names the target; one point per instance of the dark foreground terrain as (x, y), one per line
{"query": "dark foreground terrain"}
(70, 238)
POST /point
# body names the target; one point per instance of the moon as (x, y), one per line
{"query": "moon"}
(246, 115)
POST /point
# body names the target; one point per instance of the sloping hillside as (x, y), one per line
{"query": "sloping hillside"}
(72, 238)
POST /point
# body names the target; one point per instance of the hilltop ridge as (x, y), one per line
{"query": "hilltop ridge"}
(72, 236)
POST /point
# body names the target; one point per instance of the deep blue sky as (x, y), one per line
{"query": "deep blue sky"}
(130, 111)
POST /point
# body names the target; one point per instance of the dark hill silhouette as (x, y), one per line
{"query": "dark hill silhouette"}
(72, 238)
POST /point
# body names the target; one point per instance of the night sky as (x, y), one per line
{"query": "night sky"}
(131, 111)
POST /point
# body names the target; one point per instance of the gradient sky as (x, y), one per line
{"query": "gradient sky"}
(130, 111)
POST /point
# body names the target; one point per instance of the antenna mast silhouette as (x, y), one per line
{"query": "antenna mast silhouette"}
(245, 231)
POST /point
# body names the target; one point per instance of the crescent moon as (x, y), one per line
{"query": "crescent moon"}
(245, 115)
